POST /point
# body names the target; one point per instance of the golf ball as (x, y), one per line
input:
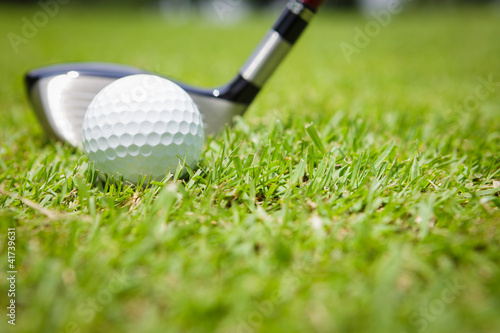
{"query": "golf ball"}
(139, 125)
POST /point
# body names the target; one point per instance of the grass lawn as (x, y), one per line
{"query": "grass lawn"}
(389, 222)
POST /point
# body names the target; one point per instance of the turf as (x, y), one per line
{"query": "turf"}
(353, 196)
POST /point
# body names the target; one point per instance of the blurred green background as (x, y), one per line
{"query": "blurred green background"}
(346, 3)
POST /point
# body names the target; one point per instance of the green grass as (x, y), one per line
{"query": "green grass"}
(381, 216)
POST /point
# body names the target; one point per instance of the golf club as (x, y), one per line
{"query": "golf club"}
(60, 94)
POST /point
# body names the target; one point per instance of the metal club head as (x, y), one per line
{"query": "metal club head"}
(60, 95)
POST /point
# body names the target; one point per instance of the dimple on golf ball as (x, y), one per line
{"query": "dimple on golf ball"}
(138, 125)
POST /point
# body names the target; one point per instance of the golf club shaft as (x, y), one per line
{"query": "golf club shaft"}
(278, 42)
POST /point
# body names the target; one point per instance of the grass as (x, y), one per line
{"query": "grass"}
(355, 196)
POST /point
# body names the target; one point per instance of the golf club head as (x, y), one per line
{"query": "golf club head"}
(61, 94)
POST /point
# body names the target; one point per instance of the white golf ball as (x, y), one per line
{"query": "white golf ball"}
(138, 125)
